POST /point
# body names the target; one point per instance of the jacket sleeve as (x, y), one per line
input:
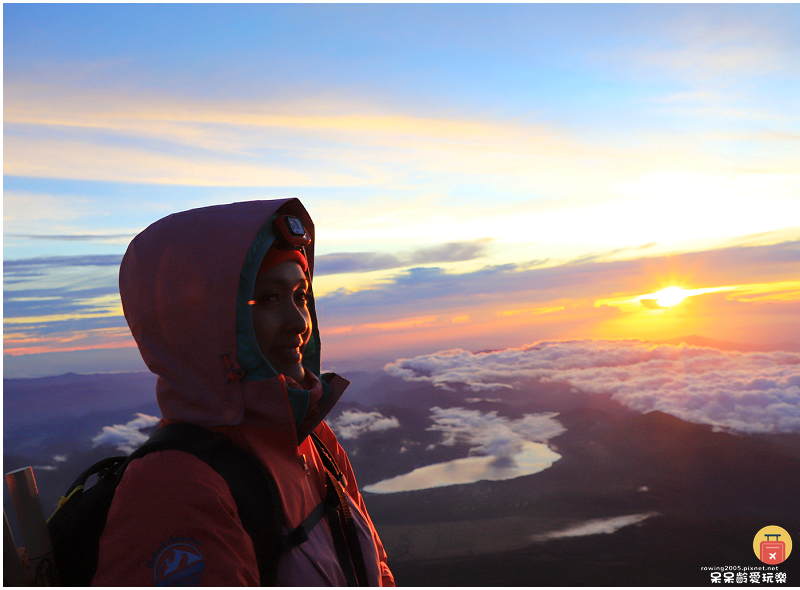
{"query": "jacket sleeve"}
(173, 521)
(343, 462)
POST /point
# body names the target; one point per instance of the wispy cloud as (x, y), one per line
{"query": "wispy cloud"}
(73, 237)
(58, 303)
(348, 262)
(88, 333)
(27, 265)
(707, 43)
(30, 306)
(512, 287)
(173, 140)
(29, 209)
(111, 136)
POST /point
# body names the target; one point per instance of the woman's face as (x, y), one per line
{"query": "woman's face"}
(281, 319)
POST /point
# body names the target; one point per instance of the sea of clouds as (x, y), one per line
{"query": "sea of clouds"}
(750, 392)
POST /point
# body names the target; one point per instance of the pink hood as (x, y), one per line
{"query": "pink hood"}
(185, 282)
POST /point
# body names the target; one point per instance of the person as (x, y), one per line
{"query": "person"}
(220, 303)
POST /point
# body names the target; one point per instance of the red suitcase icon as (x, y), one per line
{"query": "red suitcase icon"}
(773, 552)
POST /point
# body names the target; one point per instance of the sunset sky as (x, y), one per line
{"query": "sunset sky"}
(480, 176)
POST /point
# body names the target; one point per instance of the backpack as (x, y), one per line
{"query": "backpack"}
(76, 526)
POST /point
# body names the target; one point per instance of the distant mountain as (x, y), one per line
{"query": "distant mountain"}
(28, 401)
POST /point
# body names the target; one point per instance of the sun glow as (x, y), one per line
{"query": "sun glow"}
(670, 296)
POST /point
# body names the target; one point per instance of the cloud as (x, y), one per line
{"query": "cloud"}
(108, 135)
(62, 303)
(708, 44)
(46, 467)
(452, 252)
(82, 334)
(353, 423)
(511, 304)
(490, 434)
(596, 527)
(754, 392)
(105, 135)
(61, 261)
(651, 304)
(346, 262)
(126, 437)
(56, 459)
(20, 208)
(32, 305)
(73, 237)
(510, 285)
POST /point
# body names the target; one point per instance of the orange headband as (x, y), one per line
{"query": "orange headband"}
(275, 256)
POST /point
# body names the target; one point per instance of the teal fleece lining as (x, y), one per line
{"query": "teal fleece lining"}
(249, 356)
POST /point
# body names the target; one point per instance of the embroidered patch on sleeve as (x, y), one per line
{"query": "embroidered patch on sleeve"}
(178, 562)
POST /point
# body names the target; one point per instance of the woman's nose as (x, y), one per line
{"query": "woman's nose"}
(296, 318)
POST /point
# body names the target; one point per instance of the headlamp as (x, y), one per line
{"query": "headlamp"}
(290, 233)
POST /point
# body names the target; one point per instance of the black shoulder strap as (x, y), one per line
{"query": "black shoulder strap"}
(258, 499)
(327, 459)
(252, 487)
(342, 524)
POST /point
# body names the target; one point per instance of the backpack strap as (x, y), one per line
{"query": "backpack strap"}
(252, 487)
(259, 505)
(342, 524)
(327, 459)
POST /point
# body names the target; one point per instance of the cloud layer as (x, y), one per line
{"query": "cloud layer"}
(347, 262)
(756, 392)
(517, 286)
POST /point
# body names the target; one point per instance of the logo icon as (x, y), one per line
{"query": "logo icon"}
(179, 564)
(772, 545)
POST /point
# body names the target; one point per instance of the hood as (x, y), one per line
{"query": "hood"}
(185, 282)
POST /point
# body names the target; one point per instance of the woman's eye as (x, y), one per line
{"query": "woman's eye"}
(265, 299)
(301, 296)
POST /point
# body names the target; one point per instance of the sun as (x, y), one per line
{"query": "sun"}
(670, 296)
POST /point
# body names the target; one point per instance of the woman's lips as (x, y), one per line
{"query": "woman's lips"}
(288, 353)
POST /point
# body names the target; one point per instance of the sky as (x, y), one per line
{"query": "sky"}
(481, 177)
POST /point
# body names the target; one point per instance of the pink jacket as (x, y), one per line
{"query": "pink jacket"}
(184, 282)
